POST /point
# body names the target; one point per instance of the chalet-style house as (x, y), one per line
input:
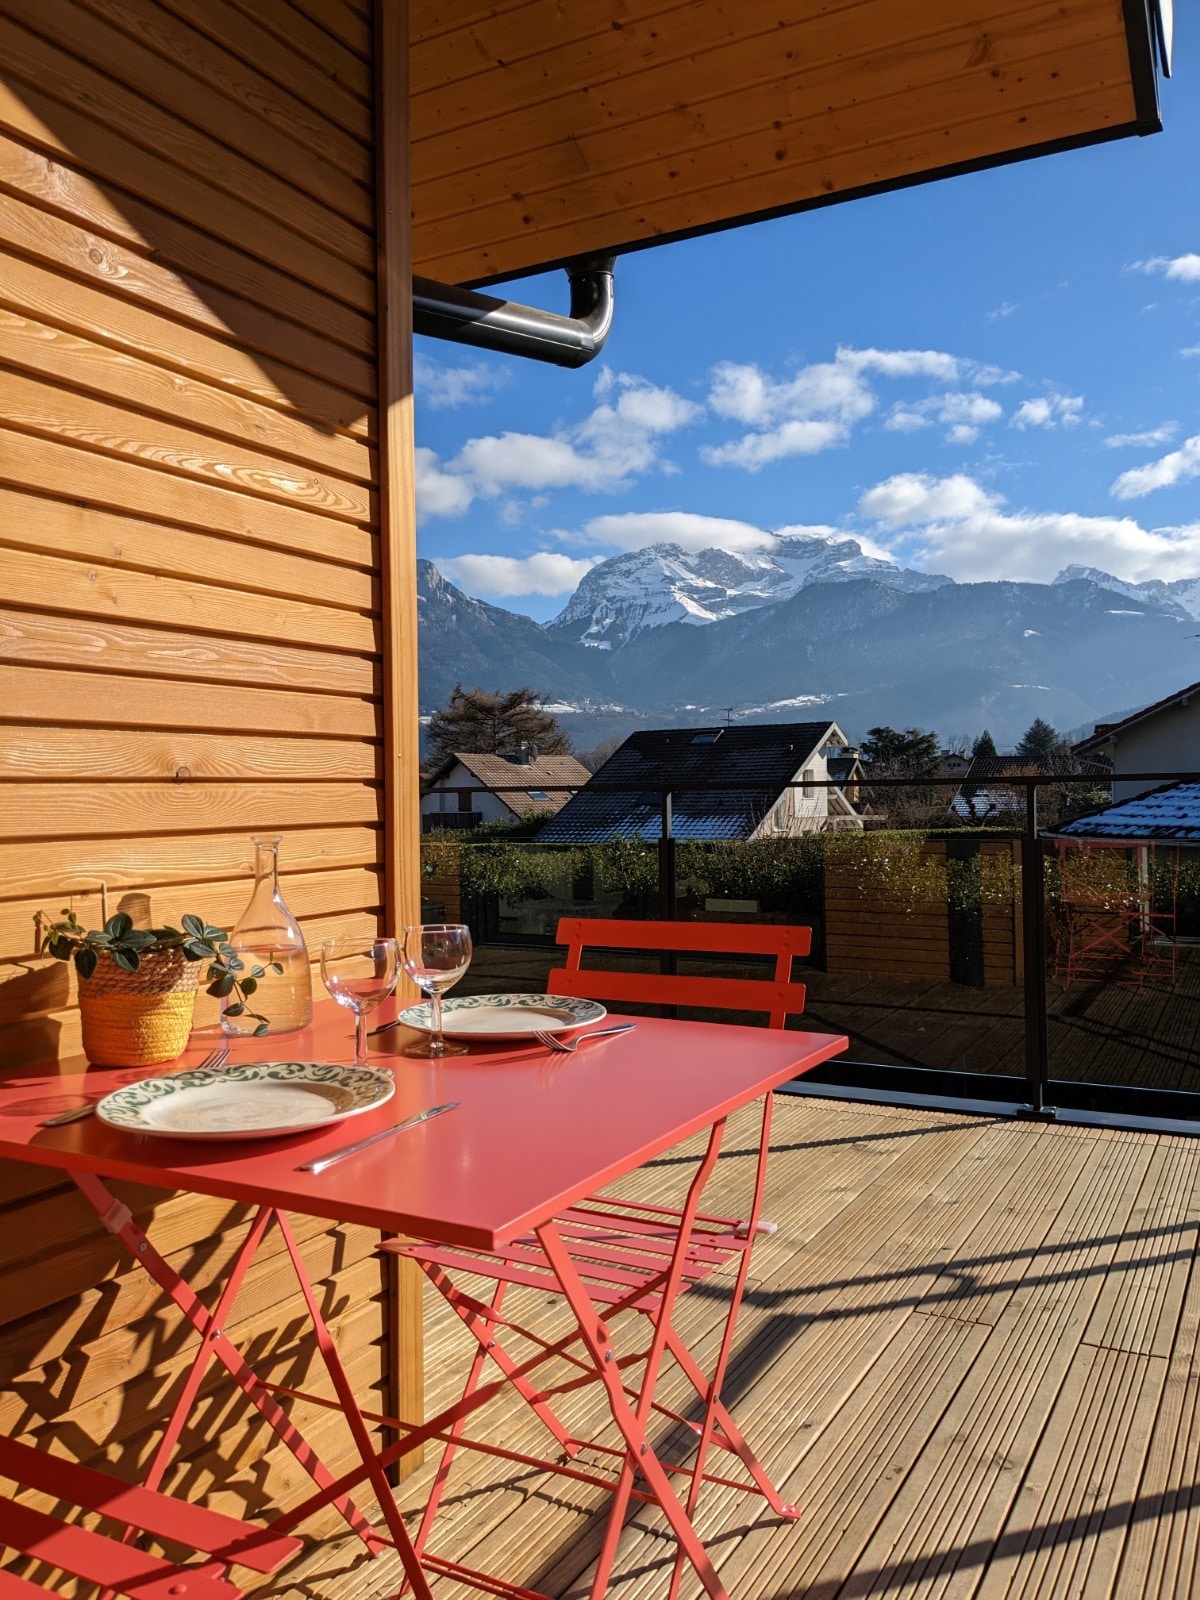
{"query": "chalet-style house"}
(771, 781)
(1163, 737)
(468, 788)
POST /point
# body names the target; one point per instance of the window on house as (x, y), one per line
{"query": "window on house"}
(809, 789)
(465, 798)
(707, 736)
(537, 794)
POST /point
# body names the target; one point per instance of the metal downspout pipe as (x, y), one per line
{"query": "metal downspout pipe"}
(445, 311)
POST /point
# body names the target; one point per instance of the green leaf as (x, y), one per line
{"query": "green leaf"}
(194, 926)
(261, 1029)
(99, 939)
(118, 925)
(222, 986)
(140, 939)
(127, 960)
(197, 950)
(235, 1010)
(276, 968)
(249, 985)
(85, 961)
(232, 960)
(213, 933)
(60, 949)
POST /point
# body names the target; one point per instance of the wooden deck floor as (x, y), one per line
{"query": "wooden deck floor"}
(969, 1354)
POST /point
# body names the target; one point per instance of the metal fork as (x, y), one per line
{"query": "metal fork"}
(212, 1061)
(568, 1047)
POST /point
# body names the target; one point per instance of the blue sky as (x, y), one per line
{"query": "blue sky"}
(994, 376)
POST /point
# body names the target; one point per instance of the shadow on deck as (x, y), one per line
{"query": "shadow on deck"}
(969, 1354)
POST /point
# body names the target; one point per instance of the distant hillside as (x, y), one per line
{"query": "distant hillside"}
(955, 657)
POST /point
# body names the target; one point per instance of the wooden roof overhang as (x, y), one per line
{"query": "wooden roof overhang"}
(543, 131)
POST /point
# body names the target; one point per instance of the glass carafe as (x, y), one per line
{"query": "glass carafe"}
(267, 933)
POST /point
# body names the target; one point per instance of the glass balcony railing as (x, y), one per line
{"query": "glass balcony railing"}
(1009, 962)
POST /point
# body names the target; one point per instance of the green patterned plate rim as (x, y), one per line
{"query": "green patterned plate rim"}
(256, 1100)
(505, 1016)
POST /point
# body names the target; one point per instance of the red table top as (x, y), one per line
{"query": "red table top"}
(534, 1131)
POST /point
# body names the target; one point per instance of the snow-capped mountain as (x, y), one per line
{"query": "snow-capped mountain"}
(1182, 595)
(651, 588)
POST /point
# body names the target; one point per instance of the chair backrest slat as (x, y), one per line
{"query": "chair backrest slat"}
(779, 997)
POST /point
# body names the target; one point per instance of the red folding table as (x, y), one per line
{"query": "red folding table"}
(504, 1186)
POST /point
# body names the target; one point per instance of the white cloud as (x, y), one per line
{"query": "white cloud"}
(1183, 269)
(1147, 440)
(634, 530)
(914, 497)
(545, 573)
(439, 494)
(818, 407)
(962, 433)
(755, 450)
(954, 525)
(619, 441)
(1049, 411)
(904, 419)
(902, 363)
(1176, 467)
(1006, 309)
(443, 388)
(1192, 350)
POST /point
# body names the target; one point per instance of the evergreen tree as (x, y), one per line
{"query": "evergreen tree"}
(905, 753)
(984, 746)
(1042, 744)
(479, 721)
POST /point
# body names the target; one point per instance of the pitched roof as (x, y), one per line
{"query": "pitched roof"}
(1104, 731)
(624, 797)
(512, 780)
(1169, 813)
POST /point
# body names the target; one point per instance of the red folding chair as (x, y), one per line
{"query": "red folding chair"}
(118, 1565)
(609, 1256)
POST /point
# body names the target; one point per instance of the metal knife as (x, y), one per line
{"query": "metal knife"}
(321, 1162)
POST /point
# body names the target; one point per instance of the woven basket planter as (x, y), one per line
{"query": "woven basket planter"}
(134, 1019)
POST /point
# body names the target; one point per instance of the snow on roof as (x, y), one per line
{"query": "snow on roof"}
(1169, 813)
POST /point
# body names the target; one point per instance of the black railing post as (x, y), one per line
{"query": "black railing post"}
(667, 902)
(1033, 940)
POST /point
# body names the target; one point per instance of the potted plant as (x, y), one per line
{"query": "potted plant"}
(137, 987)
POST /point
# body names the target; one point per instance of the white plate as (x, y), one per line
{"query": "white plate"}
(505, 1016)
(255, 1101)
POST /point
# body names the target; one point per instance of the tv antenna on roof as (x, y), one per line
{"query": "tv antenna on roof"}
(729, 711)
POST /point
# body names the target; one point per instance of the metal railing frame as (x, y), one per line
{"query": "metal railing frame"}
(1034, 942)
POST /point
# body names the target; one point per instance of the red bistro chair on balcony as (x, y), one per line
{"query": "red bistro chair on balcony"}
(626, 1252)
(117, 1564)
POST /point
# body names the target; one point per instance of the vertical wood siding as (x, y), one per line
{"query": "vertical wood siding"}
(190, 612)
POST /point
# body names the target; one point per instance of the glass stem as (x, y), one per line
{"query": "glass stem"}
(435, 1000)
(360, 1038)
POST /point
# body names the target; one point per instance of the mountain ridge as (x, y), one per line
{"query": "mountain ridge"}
(864, 646)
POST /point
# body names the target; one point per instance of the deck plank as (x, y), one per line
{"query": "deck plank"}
(971, 1353)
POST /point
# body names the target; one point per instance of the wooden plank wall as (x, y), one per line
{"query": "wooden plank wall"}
(190, 637)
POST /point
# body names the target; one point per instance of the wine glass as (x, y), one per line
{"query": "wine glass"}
(436, 954)
(360, 974)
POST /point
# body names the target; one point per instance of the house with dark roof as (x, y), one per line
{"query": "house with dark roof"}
(739, 782)
(985, 796)
(1163, 737)
(469, 788)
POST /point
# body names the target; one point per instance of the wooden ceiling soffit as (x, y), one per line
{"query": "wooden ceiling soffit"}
(543, 131)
